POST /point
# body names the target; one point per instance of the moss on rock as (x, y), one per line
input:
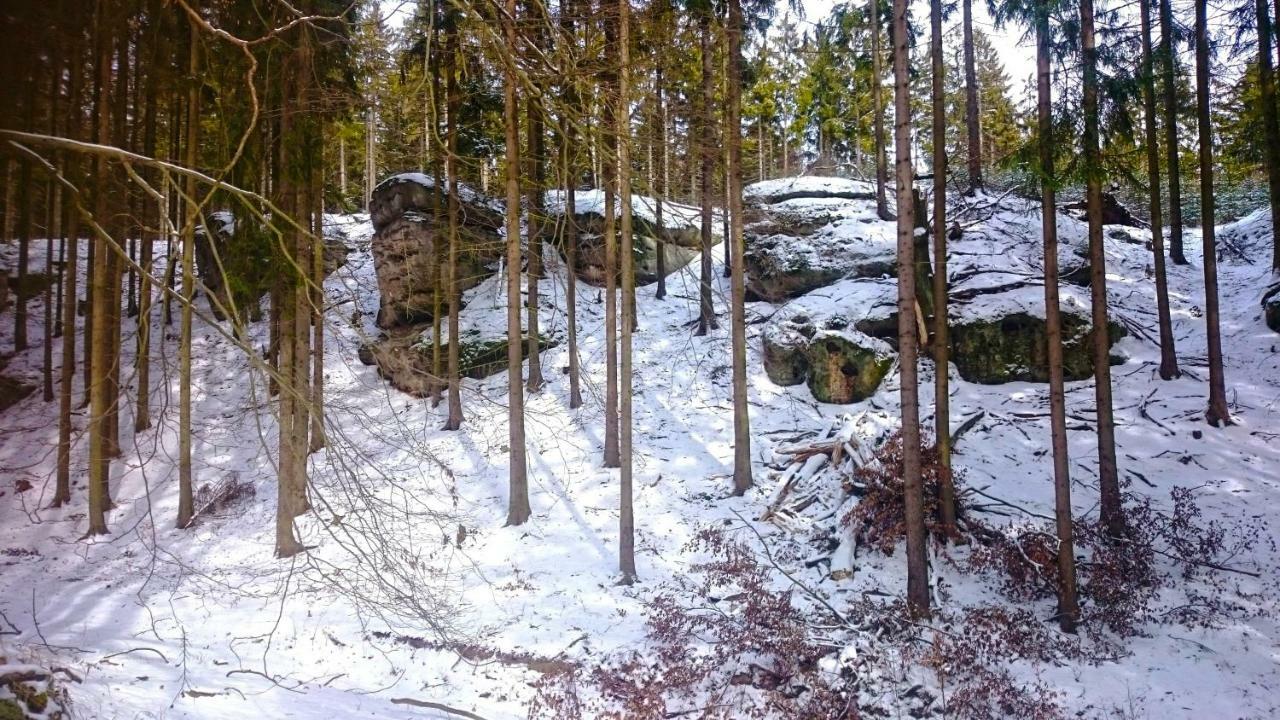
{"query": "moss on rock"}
(846, 366)
(405, 359)
(1014, 348)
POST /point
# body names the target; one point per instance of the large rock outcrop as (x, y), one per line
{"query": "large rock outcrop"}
(1271, 308)
(406, 358)
(834, 340)
(1000, 337)
(408, 243)
(235, 261)
(679, 238)
(805, 233)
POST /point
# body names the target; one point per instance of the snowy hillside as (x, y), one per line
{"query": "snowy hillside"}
(413, 593)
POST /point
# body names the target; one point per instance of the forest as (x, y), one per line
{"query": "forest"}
(639, 359)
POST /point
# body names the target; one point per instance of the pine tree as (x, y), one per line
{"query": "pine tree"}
(917, 563)
(942, 392)
(1218, 413)
(878, 112)
(1108, 481)
(1270, 121)
(1168, 356)
(518, 500)
(738, 323)
(626, 514)
(1068, 604)
(1168, 61)
(972, 123)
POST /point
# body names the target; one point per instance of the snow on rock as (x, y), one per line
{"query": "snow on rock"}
(403, 192)
(231, 257)
(408, 246)
(813, 236)
(1001, 337)
(769, 192)
(679, 239)
(406, 356)
(205, 623)
(834, 338)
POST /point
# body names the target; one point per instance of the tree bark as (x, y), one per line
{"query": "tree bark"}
(1270, 121)
(626, 516)
(186, 502)
(706, 151)
(742, 480)
(1168, 356)
(1218, 413)
(534, 222)
(941, 346)
(568, 140)
(518, 501)
(1068, 604)
(1108, 482)
(99, 400)
(973, 125)
(1168, 63)
(454, 104)
(612, 108)
(913, 490)
(877, 101)
(660, 188)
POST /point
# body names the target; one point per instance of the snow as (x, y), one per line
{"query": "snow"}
(212, 626)
(466, 193)
(675, 216)
(779, 189)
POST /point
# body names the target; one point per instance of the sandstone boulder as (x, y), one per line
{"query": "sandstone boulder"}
(408, 245)
(1001, 337)
(805, 233)
(679, 238)
(828, 339)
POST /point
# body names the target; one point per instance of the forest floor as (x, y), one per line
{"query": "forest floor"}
(413, 589)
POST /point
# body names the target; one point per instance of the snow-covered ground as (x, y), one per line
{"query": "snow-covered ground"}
(407, 532)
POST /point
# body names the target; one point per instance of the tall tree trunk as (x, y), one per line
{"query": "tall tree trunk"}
(1270, 122)
(342, 169)
(454, 104)
(569, 171)
(1218, 413)
(99, 401)
(186, 502)
(439, 257)
(612, 107)
(706, 151)
(913, 489)
(660, 187)
(737, 283)
(535, 221)
(1168, 62)
(877, 101)
(626, 516)
(1168, 357)
(119, 226)
(10, 184)
(62, 492)
(973, 125)
(1068, 604)
(1108, 482)
(156, 208)
(26, 208)
(941, 346)
(518, 501)
(318, 438)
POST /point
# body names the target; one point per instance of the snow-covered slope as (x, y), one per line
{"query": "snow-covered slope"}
(407, 533)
